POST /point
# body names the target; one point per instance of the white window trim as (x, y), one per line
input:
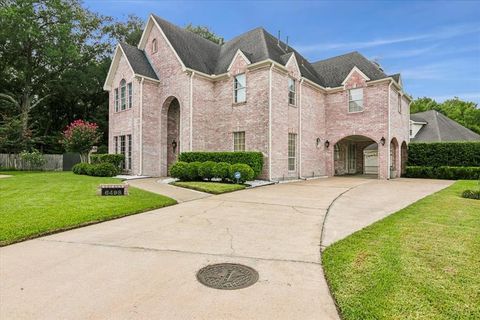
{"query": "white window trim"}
(348, 100)
(235, 89)
(244, 141)
(288, 153)
(294, 104)
(129, 95)
(154, 45)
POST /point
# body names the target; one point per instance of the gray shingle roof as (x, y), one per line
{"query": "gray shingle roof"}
(138, 60)
(258, 45)
(440, 128)
(396, 77)
(335, 70)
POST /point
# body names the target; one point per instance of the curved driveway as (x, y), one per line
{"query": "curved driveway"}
(144, 266)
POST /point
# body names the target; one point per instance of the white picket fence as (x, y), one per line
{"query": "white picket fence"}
(54, 162)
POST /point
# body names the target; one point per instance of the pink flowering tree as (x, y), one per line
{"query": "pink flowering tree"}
(80, 136)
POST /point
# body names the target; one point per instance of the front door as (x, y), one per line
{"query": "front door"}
(352, 158)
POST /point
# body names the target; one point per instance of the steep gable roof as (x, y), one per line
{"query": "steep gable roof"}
(335, 70)
(138, 61)
(440, 128)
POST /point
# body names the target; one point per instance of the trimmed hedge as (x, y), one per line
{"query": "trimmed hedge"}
(471, 194)
(253, 159)
(246, 172)
(221, 170)
(179, 170)
(97, 170)
(115, 159)
(206, 170)
(454, 154)
(444, 172)
(193, 170)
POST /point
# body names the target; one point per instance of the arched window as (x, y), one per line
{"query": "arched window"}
(123, 94)
(154, 45)
(336, 151)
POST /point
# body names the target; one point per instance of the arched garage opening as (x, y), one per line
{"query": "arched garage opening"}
(356, 155)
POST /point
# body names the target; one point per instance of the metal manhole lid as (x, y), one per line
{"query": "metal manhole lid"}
(227, 276)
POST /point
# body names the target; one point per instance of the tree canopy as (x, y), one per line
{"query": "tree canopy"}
(205, 32)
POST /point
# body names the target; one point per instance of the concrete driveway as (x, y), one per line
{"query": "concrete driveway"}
(144, 266)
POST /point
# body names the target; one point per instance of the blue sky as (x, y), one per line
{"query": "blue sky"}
(434, 44)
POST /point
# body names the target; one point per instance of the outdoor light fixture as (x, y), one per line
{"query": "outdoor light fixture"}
(327, 143)
(174, 145)
(382, 141)
(318, 142)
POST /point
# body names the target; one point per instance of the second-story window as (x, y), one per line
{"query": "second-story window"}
(116, 99)
(399, 103)
(291, 91)
(154, 46)
(355, 100)
(240, 88)
(123, 94)
(130, 95)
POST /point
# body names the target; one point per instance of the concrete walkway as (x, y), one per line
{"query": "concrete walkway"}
(144, 266)
(155, 185)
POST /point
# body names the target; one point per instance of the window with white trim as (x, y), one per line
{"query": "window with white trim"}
(116, 99)
(130, 95)
(154, 46)
(399, 103)
(291, 91)
(292, 151)
(128, 158)
(355, 100)
(123, 94)
(240, 88)
(122, 149)
(123, 145)
(239, 141)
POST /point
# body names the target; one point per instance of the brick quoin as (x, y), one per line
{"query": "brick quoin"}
(208, 116)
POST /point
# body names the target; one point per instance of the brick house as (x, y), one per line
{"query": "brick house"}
(178, 92)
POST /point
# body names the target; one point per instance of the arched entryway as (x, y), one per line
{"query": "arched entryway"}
(404, 157)
(170, 133)
(394, 159)
(355, 155)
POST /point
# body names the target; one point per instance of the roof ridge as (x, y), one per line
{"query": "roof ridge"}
(340, 55)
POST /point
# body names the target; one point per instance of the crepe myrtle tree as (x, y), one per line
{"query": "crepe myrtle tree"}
(80, 136)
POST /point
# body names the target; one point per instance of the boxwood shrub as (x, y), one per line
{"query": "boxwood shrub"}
(179, 170)
(252, 158)
(221, 170)
(115, 159)
(206, 170)
(443, 172)
(81, 168)
(193, 169)
(104, 169)
(471, 194)
(246, 172)
(453, 154)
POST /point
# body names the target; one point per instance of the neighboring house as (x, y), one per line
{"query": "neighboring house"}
(178, 92)
(433, 126)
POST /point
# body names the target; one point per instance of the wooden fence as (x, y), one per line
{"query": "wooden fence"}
(54, 162)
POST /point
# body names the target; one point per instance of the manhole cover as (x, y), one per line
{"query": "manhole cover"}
(227, 276)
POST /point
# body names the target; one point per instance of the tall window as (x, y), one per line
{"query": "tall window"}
(399, 103)
(154, 46)
(122, 149)
(123, 94)
(292, 151)
(336, 152)
(355, 100)
(116, 99)
(240, 88)
(291, 91)
(239, 141)
(130, 95)
(115, 143)
(129, 152)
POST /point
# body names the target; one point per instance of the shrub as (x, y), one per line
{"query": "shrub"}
(253, 159)
(193, 170)
(34, 159)
(471, 194)
(206, 170)
(81, 168)
(451, 173)
(104, 169)
(246, 173)
(179, 170)
(456, 154)
(115, 159)
(221, 170)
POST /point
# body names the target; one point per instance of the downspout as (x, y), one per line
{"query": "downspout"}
(300, 131)
(270, 122)
(191, 110)
(388, 135)
(140, 138)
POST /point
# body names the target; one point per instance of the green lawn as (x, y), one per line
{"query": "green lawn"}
(34, 204)
(422, 262)
(210, 187)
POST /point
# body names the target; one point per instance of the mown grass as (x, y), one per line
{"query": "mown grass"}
(35, 204)
(210, 187)
(422, 262)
